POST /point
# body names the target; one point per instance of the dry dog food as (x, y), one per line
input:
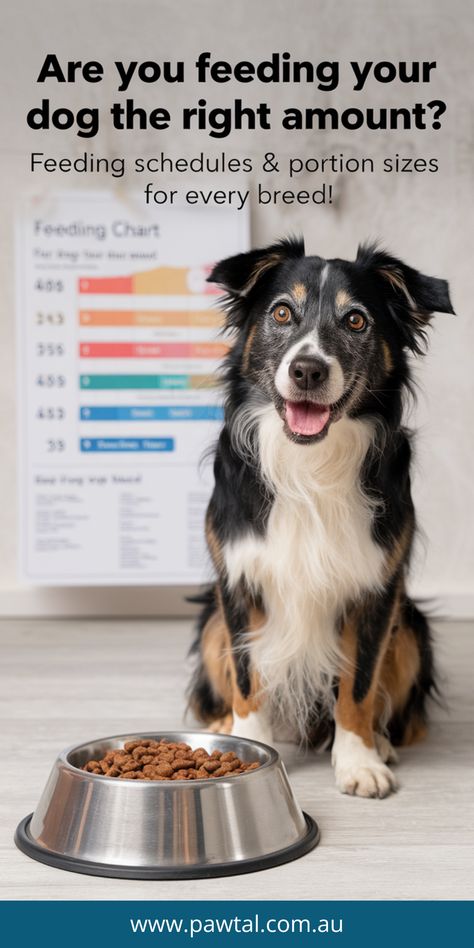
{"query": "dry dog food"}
(164, 760)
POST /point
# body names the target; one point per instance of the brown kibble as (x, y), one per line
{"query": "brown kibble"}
(184, 762)
(140, 751)
(131, 765)
(200, 752)
(152, 760)
(211, 765)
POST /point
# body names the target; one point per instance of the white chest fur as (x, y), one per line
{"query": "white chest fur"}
(317, 556)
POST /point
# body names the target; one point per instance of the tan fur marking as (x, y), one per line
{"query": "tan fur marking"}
(222, 725)
(359, 717)
(248, 348)
(400, 667)
(217, 658)
(387, 357)
(395, 278)
(342, 299)
(299, 292)
(214, 546)
(416, 731)
(399, 549)
(267, 263)
(243, 706)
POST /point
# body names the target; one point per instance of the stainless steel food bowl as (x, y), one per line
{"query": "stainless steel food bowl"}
(167, 829)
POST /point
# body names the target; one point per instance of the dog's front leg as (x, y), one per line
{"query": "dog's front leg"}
(251, 717)
(358, 766)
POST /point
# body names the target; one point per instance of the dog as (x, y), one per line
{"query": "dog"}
(311, 521)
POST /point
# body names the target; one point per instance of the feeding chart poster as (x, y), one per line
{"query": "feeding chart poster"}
(118, 348)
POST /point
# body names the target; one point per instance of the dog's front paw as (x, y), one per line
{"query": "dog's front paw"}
(358, 769)
(222, 725)
(374, 780)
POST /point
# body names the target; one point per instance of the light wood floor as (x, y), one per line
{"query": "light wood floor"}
(64, 682)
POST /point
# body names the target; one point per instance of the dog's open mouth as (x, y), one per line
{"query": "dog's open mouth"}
(306, 419)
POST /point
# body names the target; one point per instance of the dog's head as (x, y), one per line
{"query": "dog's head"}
(319, 338)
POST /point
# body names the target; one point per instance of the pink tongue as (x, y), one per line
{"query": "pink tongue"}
(306, 418)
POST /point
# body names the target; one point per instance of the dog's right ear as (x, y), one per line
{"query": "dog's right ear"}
(239, 275)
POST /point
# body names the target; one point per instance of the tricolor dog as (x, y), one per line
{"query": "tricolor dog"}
(311, 521)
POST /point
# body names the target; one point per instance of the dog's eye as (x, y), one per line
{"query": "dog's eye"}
(282, 314)
(356, 322)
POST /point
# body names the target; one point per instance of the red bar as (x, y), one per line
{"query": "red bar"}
(152, 350)
(106, 284)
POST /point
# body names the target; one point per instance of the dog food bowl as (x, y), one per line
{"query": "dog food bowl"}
(178, 829)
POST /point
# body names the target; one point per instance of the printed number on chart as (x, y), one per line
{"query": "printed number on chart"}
(52, 413)
(49, 286)
(55, 444)
(49, 349)
(51, 381)
(50, 319)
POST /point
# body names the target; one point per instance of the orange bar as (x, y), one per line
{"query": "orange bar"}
(110, 317)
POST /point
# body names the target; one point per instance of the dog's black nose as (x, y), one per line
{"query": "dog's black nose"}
(308, 372)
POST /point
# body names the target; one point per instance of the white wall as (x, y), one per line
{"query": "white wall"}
(423, 218)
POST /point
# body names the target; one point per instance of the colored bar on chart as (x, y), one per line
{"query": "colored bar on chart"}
(188, 318)
(106, 284)
(151, 413)
(147, 381)
(161, 281)
(153, 350)
(126, 444)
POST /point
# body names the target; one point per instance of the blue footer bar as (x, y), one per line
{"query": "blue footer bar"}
(142, 923)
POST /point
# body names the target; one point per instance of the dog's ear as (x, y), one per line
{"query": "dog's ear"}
(240, 274)
(412, 298)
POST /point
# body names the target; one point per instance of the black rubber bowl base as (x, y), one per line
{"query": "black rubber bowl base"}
(31, 848)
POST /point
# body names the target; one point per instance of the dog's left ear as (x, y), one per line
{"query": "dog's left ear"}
(412, 297)
(240, 274)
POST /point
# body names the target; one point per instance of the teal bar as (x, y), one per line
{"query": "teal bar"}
(90, 382)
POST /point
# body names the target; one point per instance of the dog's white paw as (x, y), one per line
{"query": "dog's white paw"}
(359, 770)
(386, 750)
(375, 780)
(255, 727)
